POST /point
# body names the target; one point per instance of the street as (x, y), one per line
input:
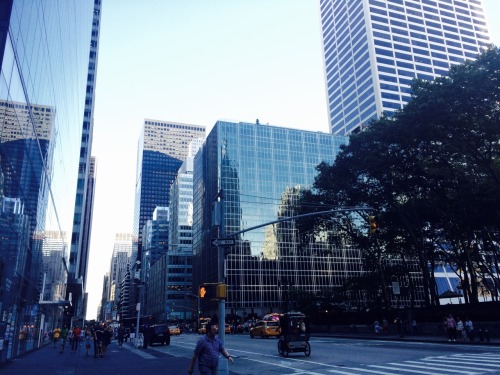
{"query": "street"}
(351, 356)
(257, 356)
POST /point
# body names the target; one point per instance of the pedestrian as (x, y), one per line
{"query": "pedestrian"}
(98, 337)
(75, 338)
(64, 337)
(385, 326)
(56, 334)
(121, 335)
(451, 327)
(460, 329)
(207, 352)
(399, 326)
(414, 327)
(146, 335)
(469, 329)
(88, 340)
(106, 338)
(376, 325)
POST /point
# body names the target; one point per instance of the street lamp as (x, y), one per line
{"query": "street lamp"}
(138, 306)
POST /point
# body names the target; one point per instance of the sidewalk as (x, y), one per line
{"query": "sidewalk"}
(119, 361)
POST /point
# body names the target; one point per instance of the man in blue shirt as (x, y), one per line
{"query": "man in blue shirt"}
(207, 352)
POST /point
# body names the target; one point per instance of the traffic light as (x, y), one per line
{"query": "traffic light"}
(373, 224)
(221, 292)
(203, 291)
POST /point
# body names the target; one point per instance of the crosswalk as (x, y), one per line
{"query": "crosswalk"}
(459, 364)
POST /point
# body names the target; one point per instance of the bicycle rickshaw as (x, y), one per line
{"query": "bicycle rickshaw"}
(294, 336)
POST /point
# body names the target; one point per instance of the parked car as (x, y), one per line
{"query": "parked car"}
(174, 330)
(160, 334)
(265, 329)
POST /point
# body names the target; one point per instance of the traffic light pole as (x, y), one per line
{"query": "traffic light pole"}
(222, 368)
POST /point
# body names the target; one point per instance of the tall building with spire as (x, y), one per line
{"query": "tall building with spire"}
(374, 48)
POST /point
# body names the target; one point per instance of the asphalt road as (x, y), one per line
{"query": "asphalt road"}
(355, 356)
(329, 355)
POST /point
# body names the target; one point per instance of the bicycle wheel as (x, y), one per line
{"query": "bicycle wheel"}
(280, 347)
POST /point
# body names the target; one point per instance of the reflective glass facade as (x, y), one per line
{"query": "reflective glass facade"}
(261, 170)
(44, 56)
(163, 146)
(374, 48)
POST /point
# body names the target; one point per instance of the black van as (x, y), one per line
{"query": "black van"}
(159, 334)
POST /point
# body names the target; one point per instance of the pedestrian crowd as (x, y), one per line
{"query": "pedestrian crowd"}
(457, 330)
(98, 335)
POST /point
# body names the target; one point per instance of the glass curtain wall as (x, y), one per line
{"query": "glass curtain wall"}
(44, 51)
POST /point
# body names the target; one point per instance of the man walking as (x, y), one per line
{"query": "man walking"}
(76, 338)
(207, 352)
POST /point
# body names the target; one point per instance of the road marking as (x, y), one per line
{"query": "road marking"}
(368, 370)
(140, 353)
(454, 361)
(343, 372)
(438, 366)
(413, 371)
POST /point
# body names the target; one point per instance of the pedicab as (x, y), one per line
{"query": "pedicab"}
(294, 336)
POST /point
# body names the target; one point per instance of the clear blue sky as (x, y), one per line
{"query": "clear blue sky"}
(197, 61)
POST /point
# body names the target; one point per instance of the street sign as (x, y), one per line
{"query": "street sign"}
(223, 241)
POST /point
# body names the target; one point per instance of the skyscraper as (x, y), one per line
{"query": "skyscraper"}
(44, 58)
(84, 198)
(163, 146)
(120, 265)
(260, 172)
(374, 48)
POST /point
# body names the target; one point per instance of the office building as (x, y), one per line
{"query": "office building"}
(162, 148)
(258, 172)
(84, 197)
(120, 265)
(374, 48)
(44, 57)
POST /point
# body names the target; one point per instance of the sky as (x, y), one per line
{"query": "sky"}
(196, 62)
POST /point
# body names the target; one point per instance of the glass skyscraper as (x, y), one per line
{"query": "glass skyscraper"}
(163, 146)
(260, 170)
(44, 57)
(374, 48)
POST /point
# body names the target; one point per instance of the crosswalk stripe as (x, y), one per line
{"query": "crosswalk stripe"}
(437, 367)
(368, 370)
(342, 372)
(412, 370)
(445, 366)
(454, 361)
(480, 358)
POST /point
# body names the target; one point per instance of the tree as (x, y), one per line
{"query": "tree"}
(432, 173)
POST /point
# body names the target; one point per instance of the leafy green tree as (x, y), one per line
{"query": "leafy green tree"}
(432, 174)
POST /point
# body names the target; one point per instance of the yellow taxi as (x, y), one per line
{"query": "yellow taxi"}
(174, 330)
(265, 329)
